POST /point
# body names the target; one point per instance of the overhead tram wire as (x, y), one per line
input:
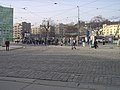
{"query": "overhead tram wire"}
(64, 12)
(33, 13)
(53, 11)
(89, 3)
(85, 4)
(80, 6)
(95, 8)
(23, 8)
(108, 5)
(101, 8)
(75, 8)
(56, 10)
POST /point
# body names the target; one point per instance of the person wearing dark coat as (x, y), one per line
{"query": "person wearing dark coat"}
(7, 43)
(103, 41)
(95, 44)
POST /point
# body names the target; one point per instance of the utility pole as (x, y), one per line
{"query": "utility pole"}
(78, 24)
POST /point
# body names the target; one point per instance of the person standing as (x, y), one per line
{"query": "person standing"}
(7, 43)
(95, 44)
(103, 41)
(73, 44)
(83, 42)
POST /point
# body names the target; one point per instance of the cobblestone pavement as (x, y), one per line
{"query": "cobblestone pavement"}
(55, 63)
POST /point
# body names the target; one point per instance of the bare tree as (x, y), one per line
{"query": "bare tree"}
(47, 24)
(97, 22)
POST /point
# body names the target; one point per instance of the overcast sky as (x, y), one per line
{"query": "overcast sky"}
(64, 11)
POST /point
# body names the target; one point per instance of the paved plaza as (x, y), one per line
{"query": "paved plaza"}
(35, 67)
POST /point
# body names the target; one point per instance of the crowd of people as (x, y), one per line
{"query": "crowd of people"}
(67, 42)
(91, 43)
(39, 41)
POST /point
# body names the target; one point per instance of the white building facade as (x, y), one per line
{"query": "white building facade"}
(17, 32)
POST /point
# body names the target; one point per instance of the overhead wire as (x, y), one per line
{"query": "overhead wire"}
(80, 6)
(61, 12)
(88, 3)
(67, 10)
(101, 8)
(64, 11)
(76, 7)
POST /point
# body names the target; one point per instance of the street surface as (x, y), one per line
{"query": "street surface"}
(84, 68)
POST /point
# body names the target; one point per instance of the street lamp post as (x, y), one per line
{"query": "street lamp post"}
(78, 24)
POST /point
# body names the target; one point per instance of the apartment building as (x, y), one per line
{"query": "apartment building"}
(17, 32)
(35, 29)
(111, 30)
(21, 30)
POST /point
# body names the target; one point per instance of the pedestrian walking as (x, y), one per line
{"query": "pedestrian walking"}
(103, 41)
(7, 43)
(95, 44)
(83, 42)
(73, 44)
(61, 43)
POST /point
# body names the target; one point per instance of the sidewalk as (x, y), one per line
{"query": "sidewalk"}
(12, 47)
(84, 68)
(107, 47)
(33, 84)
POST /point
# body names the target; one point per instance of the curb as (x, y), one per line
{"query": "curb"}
(11, 48)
